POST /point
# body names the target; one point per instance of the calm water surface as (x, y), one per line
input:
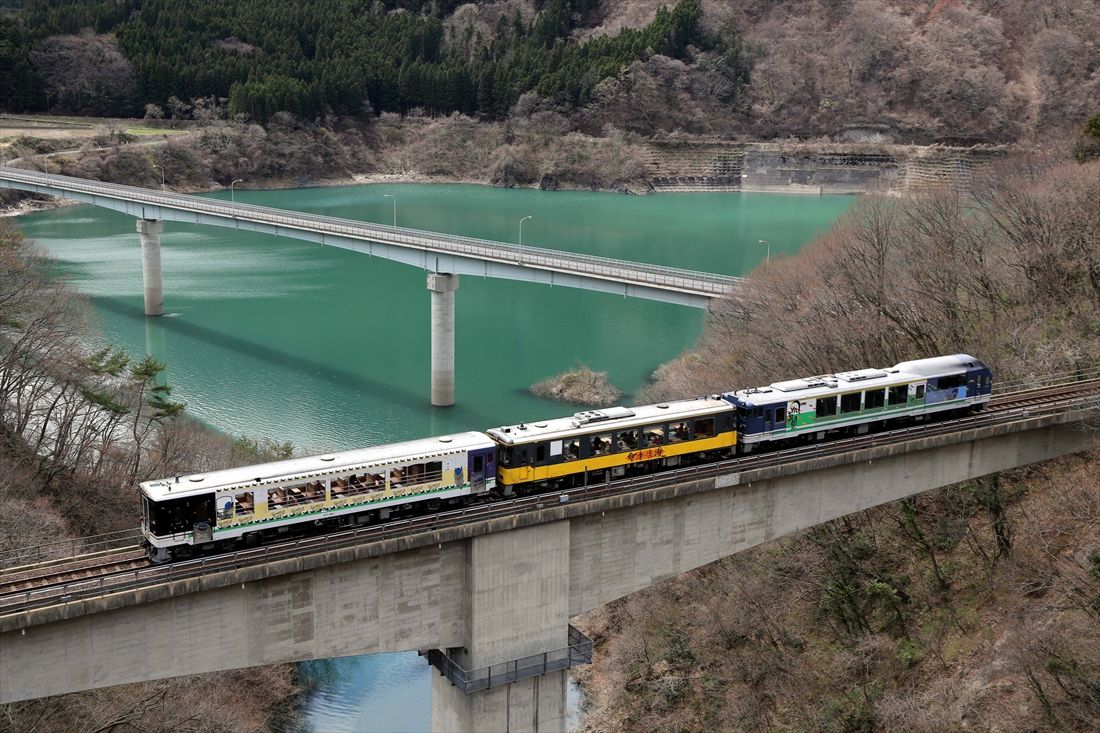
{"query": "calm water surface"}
(274, 337)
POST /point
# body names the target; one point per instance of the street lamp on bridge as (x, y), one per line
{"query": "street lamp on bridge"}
(521, 228)
(161, 175)
(391, 196)
(232, 193)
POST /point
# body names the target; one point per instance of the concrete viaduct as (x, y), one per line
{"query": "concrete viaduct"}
(491, 591)
(443, 256)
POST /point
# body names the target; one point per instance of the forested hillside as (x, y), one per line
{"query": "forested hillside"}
(950, 70)
(346, 57)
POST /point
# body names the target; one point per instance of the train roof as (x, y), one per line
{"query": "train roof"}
(312, 467)
(607, 419)
(824, 384)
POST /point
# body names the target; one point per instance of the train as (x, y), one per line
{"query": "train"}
(184, 516)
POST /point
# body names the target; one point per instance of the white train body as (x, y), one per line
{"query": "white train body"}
(224, 506)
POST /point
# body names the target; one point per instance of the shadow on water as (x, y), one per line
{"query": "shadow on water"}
(156, 337)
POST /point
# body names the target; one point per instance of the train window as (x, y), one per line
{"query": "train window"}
(898, 395)
(874, 399)
(919, 394)
(653, 435)
(826, 406)
(276, 499)
(180, 515)
(244, 503)
(780, 415)
(678, 432)
(850, 402)
(703, 428)
(571, 450)
(434, 471)
(628, 440)
(414, 473)
(951, 382)
(555, 448)
(506, 455)
(602, 444)
(540, 454)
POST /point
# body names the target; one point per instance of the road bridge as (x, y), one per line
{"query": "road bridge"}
(444, 256)
(489, 590)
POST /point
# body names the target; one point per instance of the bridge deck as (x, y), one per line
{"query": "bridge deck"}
(429, 250)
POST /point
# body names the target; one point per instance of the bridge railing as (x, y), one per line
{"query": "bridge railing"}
(1021, 384)
(481, 249)
(579, 651)
(68, 549)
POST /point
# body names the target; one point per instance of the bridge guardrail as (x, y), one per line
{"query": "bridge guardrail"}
(68, 549)
(579, 651)
(607, 268)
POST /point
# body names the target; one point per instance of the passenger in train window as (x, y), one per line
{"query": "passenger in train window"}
(629, 439)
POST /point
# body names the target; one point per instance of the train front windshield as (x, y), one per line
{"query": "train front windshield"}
(175, 516)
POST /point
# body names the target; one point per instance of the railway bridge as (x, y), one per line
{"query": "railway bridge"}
(443, 256)
(487, 592)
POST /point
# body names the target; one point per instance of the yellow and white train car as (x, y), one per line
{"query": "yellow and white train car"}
(588, 446)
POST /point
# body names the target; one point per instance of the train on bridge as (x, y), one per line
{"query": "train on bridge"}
(206, 513)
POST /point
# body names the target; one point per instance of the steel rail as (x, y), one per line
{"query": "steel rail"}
(603, 268)
(133, 558)
(1023, 405)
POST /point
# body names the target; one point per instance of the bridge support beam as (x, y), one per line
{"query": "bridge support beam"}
(150, 230)
(443, 287)
(516, 608)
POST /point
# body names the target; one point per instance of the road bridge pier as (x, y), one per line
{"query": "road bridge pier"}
(442, 287)
(150, 230)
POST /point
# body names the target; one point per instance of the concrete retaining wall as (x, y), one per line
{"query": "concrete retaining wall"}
(812, 169)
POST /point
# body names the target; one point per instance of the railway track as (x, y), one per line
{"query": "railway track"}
(109, 571)
(79, 568)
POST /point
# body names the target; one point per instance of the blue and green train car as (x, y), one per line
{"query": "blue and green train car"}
(816, 408)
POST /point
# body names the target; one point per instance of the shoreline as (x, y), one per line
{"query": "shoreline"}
(30, 205)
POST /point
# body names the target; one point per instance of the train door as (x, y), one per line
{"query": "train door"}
(482, 470)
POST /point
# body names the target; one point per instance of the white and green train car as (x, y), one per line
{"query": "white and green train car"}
(855, 402)
(199, 513)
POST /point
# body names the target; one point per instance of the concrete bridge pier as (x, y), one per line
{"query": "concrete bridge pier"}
(150, 230)
(516, 608)
(443, 286)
